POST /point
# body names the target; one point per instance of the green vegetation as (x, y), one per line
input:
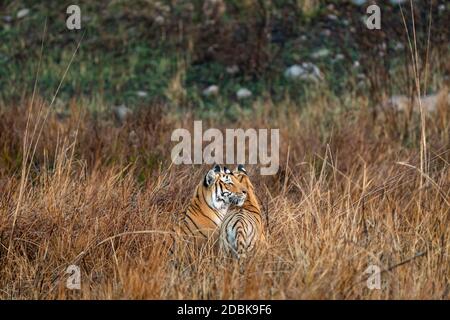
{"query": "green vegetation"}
(135, 52)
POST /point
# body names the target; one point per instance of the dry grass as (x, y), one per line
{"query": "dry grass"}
(348, 194)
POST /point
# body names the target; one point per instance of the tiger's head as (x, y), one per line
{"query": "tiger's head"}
(224, 189)
(241, 175)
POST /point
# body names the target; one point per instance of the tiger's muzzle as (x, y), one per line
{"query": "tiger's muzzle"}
(238, 199)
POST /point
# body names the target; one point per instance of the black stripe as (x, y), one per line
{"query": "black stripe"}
(186, 226)
(197, 228)
(234, 224)
(254, 210)
(210, 219)
(213, 210)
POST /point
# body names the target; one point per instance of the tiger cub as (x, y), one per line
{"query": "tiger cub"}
(242, 227)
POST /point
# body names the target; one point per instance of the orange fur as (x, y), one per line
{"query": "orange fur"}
(242, 227)
(202, 219)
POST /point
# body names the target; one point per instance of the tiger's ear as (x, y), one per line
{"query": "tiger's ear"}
(226, 170)
(241, 168)
(211, 176)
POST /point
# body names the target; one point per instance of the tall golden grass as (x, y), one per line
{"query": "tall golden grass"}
(352, 191)
(349, 194)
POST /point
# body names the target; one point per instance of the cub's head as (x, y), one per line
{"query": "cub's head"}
(241, 175)
(223, 188)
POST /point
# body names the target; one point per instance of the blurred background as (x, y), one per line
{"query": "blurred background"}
(217, 56)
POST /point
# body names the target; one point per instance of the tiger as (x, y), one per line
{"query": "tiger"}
(242, 227)
(212, 198)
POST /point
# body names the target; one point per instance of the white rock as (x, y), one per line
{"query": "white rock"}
(294, 71)
(22, 13)
(321, 53)
(141, 93)
(306, 71)
(159, 20)
(243, 93)
(232, 69)
(339, 57)
(212, 90)
(122, 113)
(314, 70)
(332, 17)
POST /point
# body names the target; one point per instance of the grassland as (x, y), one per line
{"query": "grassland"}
(358, 185)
